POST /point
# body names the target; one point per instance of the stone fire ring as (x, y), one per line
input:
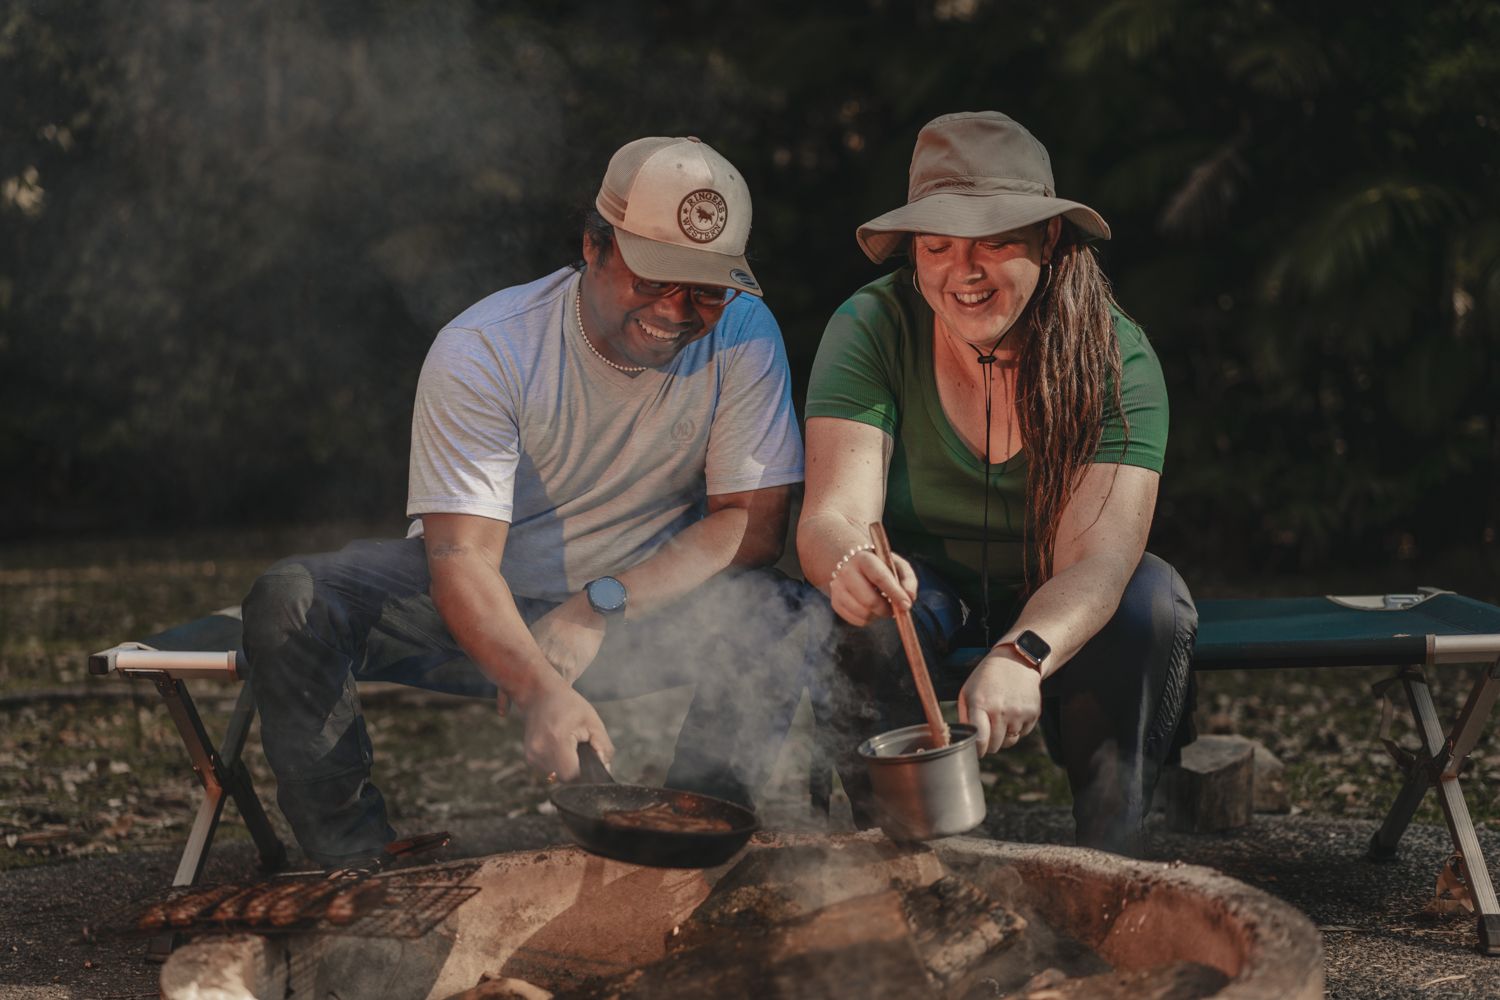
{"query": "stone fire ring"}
(1137, 914)
(564, 913)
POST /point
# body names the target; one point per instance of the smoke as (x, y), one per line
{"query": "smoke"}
(727, 638)
(270, 210)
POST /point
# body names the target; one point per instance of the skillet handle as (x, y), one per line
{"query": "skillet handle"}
(591, 769)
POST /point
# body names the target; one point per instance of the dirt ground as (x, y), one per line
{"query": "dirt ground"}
(96, 794)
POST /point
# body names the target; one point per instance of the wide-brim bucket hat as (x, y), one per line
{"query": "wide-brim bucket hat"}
(973, 174)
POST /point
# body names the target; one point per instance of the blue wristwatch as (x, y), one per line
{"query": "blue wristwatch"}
(607, 596)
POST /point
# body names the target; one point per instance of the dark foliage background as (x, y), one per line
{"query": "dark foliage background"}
(229, 230)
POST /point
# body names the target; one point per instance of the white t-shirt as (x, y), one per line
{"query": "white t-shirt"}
(518, 420)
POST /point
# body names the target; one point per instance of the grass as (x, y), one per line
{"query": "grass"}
(98, 767)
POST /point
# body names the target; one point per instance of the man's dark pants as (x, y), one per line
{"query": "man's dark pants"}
(314, 625)
(1110, 715)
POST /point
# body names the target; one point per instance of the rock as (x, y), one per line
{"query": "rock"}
(237, 967)
(1214, 787)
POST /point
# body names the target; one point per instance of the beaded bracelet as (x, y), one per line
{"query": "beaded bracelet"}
(847, 556)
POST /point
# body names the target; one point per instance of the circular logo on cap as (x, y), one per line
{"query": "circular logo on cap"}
(702, 215)
(743, 277)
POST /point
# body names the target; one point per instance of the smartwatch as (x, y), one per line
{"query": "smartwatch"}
(1032, 647)
(606, 596)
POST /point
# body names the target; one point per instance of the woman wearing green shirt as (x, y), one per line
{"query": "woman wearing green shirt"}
(992, 407)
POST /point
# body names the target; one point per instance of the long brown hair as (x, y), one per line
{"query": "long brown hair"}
(1067, 382)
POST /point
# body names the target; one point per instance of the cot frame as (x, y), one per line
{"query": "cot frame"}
(221, 772)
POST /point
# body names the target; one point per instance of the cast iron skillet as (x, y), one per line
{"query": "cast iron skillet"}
(582, 808)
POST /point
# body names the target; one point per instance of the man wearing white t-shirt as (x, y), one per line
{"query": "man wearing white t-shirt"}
(601, 463)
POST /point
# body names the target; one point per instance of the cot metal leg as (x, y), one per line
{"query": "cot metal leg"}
(1387, 839)
(1439, 765)
(210, 770)
(223, 774)
(272, 850)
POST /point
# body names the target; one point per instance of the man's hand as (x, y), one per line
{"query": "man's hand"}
(463, 554)
(569, 636)
(1002, 699)
(555, 724)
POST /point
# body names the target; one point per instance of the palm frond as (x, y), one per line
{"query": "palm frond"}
(1477, 272)
(1146, 176)
(1342, 239)
(1212, 187)
(1135, 28)
(1285, 65)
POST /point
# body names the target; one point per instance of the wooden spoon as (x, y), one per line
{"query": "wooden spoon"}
(914, 658)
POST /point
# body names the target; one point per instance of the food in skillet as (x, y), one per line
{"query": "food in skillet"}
(663, 817)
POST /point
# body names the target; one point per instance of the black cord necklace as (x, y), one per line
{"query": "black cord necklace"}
(987, 364)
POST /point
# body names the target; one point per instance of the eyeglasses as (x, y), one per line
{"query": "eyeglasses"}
(710, 296)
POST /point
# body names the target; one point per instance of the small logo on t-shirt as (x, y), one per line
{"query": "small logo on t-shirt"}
(683, 430)
(702, 215)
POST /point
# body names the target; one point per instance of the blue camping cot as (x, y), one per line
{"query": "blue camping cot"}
(1410, 632)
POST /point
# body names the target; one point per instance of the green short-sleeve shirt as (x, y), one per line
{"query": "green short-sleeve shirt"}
(875, 366)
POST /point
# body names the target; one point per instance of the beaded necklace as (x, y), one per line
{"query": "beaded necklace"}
(578, 311)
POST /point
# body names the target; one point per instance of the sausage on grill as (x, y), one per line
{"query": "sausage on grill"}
(232, 909)
(154, 918)
(290, 908)
(356, 902)
(182, 910)
(259, 908)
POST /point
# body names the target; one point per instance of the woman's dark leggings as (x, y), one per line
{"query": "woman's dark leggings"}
(1111, 716)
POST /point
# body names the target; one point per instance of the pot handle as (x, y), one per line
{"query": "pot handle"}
(591, 770)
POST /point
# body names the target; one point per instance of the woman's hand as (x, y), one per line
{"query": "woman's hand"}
(1002, 699)
(862, 587)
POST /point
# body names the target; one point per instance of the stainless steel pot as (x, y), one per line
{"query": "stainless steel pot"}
(921, 793)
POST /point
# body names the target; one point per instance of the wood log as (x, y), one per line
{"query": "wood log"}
(956, 925)
(773, 887)
(860, 947)
(1214, 787)
(1272, 795)
(1173, 981)
(912, 941)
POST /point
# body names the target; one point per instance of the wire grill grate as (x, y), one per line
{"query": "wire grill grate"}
(414, 904)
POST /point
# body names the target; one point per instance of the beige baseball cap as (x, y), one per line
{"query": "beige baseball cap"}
(974, 174)
(681, 212)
